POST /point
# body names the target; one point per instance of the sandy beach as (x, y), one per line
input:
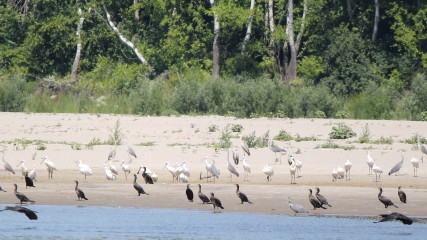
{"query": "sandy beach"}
(158, 140)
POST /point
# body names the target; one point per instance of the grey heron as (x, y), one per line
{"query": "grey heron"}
(137, 187)
(6, 165)
(236, 157)
(202, 196)
(276, 149)
(321, 198)
(395, 217)
(245, 147)
(22, 198)
(113, 152)
(1, 189)
(401, 194)
(216, 202)
(28, 212)
(396, 168)
(385, 200)
(314, 201)
(241, 195)
(421, 147)
(79, 192)
(230, 167)
(130, 151)
(189, 193)
(296, 207)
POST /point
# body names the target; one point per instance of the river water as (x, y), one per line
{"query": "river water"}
(73, 222)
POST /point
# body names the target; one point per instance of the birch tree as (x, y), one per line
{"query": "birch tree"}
(249, 28)
(215, 53)
(376, 20)
(79, 47)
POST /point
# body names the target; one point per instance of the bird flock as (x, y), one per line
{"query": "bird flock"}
(180, 173)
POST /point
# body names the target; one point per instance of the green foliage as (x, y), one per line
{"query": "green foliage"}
(256, 142)
(76, 146)
(116, 135)
(224, 140)
(283, 136)
(365, 136)
(382, 140)
(423, 116)
(341, 131)
(93, 142)
(12, 93)
(331, 145)
(213, 128)
(236, 128)
(341, 114)
(311, 67)
(299, 138)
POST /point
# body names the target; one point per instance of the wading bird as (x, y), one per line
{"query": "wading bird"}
(395, 217)
(6, 165)
(172, 170)
(50, 166)
(341, 172)
(147, 178)
(24, 170)
(421, 147)
(397, 167)
(246, 169)
(125, 168)
(245, 147)
(293, 170)
(84, 169)
(415, 163)
(268, 170)
(296, 207)
(370, 161)
(276, 150)
(377, 170)
(236, 156)
(28, 212)
(130, 151)
(1, 189)
(113, 152)
(241, 195)
(22, 198)
(28, 181)
(230, 167)
(347, 167)
(334, 175)
(79, 192)
(109, 174)
(113, 168)
(385, 200)
(32, 174)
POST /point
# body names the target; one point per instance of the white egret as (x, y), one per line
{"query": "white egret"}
(84, 169)
(24, 170)
(179, 170)
(230, 167)
(246, 169)
(298, 165)
(370, 161)
(347, 167)
(415, 163)
(125, 168)
(268, 170)
(377, 170)
(50, 166)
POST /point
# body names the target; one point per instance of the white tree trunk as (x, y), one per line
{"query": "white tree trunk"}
(123, 39)
(249, 29)
(76, 62)
(135, 2)
(215, 68)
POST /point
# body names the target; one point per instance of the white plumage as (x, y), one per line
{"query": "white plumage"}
(334, 174)
(125, 168)
(24, 170)
(293, 170)
(268, 170)
(377, 170)
(341, 172)
(32, 174)
(246, 168)
(84, 169)
(370, 161)
(347, 168)
(183, 178)
(108, 173)
(415, 163)
(50, 166)
(113, 168)
(172, 170)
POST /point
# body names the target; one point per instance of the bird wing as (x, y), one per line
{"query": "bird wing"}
(396, 167)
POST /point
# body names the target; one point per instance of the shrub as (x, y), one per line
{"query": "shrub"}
(365, 136)
(341, 131)
(12, 93)
(423, 116)
(283, 136)
(236, 128)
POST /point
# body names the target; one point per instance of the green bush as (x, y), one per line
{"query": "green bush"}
(341, 131)
(283, 136)
(12, 93)
(423, 116)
